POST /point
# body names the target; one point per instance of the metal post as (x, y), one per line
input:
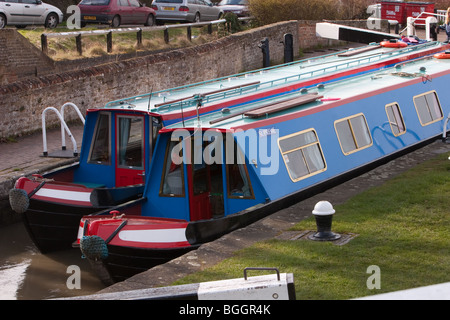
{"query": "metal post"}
(264, 45)
(78, 42)
(139, 38)
(44, 43)
(166, 35)
(430, 28)
(288, 48)
(109, 42)
(189, 33)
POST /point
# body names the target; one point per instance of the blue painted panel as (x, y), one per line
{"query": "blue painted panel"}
(384, 142)
(163, 206)
(90, 172)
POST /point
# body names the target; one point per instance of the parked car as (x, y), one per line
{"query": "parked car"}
(29, 12)
(238, 7)
(185, 11)
(116, 12)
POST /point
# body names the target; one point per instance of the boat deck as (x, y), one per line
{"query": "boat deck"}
(332, 94)
(172, 100)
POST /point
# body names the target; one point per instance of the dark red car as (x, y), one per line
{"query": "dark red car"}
(116, 12)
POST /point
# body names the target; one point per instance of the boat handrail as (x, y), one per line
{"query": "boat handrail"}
(242, 74)
(301, 76)
(444, 131)
(64, 128)
(163, 104)
(238, 75)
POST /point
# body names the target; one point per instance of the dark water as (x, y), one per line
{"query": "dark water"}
(26, 274)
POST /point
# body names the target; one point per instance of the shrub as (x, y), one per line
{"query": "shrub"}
(271, 11)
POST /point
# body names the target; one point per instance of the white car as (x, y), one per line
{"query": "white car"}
(238, 7)
(185, 11)
(21, 13)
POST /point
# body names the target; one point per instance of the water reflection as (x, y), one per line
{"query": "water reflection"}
(26, 274)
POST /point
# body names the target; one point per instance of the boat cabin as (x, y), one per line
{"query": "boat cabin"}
(230, 161)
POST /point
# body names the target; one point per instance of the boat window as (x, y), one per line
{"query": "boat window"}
(130, 142)
(238, 180)
(353, 133)
(100, 152)
(395, 119)
(302, 154)
(428, 108)
(172, 182)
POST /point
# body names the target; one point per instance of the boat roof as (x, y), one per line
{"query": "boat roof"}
(185, 97)
(303, 102)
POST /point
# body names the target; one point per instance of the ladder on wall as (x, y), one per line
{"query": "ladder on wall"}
(64, 129)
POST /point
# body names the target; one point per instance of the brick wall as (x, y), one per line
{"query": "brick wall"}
(19, 58)
(23, 101)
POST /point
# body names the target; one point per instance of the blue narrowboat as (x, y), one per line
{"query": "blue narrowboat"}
(119, 139)
(222, 170)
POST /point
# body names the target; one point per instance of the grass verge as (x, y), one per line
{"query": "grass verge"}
(65, 48)
(402, 226)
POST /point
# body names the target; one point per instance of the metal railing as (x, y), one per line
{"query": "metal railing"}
(138, 30)
(64, 127)
(191, 101)
(440, 16)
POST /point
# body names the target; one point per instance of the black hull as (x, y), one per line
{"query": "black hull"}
(125, 262)
(55, 227)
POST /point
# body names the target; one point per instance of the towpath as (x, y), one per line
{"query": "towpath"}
(23, 156)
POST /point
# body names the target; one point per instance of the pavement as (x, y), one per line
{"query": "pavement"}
(24, 156)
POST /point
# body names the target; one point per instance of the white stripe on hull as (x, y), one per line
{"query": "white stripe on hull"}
(158, 235)
(64, 195)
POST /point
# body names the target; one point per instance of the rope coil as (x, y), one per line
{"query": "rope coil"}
(94, 248)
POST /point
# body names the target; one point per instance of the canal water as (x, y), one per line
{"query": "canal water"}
(26, 274)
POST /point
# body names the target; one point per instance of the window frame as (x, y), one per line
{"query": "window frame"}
(94, 139)
(142, 144)
(164, 175)
(238, 154)
(396, 123)
(317, 142)
(353, 133)
(428, 108)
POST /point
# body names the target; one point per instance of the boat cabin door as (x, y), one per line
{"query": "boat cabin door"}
(130, 150)
(205, 184)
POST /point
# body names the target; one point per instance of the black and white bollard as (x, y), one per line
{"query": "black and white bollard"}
(323, 212)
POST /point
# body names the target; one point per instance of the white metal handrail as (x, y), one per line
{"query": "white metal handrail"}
(418, 17)
(444, 131)
(64, 128)
(63, 136)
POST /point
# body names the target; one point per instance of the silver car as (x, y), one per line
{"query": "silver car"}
(185, 11)
(29, 12)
